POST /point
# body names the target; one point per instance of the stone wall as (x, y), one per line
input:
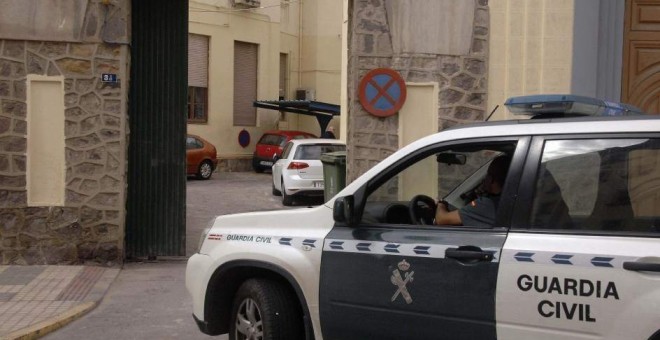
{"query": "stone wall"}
(90, 225)
(235, 165)
(461, 78)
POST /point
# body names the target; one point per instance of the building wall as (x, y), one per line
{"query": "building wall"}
(89, 226)
(321, 54)
(276, 29)
(392, 34)
(554, 46)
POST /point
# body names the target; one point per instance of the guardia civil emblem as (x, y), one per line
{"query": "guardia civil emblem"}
(400, 278)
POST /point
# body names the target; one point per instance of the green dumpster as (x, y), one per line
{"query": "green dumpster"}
(334, 173)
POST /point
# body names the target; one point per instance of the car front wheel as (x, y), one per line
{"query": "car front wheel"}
(265, 310)
(205, 170)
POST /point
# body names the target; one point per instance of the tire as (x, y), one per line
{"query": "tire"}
(275, 191)
(265, 310)
(286, 199)
(205, 170)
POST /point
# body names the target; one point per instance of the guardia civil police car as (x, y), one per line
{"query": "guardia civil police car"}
(573, 251)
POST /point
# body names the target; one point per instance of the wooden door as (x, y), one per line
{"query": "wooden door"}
(641, 58)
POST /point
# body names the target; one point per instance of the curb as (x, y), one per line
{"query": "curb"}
(41, 329)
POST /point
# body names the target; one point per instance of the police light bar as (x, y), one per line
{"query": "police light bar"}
(567, 105)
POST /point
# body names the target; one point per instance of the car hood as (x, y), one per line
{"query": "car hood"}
(303, 222)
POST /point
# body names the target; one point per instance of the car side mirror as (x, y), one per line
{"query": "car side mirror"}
(343, 210)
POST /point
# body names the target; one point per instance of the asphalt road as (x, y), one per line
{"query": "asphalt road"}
(148, 300)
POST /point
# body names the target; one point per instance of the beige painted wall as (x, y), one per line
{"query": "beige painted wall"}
(418, 118)
(276, 30)
(223, 26)
(343, 118)
(45, 134)
(531, 49)
(322, 55)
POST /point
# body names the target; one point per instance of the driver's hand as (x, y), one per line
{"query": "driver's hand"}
(444, 217)
(442, 206)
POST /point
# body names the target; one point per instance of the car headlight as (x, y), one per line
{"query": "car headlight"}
(205, 233)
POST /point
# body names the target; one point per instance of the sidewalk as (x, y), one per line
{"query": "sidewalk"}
(36, 300)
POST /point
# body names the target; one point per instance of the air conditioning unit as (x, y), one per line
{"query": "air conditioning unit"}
(246, 3)
(305, 94)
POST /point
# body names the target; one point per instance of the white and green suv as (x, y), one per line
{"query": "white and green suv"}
(573, 252)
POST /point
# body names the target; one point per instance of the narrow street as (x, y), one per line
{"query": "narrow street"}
(148, 300)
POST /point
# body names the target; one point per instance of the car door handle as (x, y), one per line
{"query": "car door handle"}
(641, 266)
(471, 254)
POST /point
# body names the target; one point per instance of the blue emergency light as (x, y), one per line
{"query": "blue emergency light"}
(567, 105)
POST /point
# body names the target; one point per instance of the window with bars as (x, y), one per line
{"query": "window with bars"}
(197, 104)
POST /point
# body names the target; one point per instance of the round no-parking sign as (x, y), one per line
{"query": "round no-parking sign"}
(382, 92)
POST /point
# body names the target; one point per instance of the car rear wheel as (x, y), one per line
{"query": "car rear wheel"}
(265, 310)
(205, 170)
(286, 199)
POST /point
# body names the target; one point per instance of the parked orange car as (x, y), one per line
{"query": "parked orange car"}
(201, 157)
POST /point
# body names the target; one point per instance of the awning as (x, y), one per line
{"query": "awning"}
(322, 111)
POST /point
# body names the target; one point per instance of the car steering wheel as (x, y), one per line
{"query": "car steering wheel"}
(422, 209)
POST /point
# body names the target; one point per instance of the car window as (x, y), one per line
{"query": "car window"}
(287, 150)
(437, 177)
(598, 185)
(302, 137)
(314, 151)
(280, 141)
(269, 139)
(193, 143)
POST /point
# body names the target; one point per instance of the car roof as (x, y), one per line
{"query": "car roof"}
(584, 124)
(287, 132)
(316, 141)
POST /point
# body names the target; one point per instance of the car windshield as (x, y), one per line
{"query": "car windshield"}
(314, 151)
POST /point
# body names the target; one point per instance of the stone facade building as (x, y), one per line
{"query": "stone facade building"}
(439, 42)
(84, 213)
(70, 43)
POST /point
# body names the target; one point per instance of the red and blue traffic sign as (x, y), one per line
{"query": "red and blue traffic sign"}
(382, 92)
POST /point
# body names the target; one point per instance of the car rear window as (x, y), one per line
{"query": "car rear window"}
(193, 143)
(600, 185)
(270, 139)
(314, 151)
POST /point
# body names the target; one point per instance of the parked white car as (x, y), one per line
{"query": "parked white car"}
(300, 172)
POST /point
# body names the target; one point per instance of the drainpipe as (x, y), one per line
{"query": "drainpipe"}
(300, 42)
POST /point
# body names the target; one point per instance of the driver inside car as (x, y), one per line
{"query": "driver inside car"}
(480, 212)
